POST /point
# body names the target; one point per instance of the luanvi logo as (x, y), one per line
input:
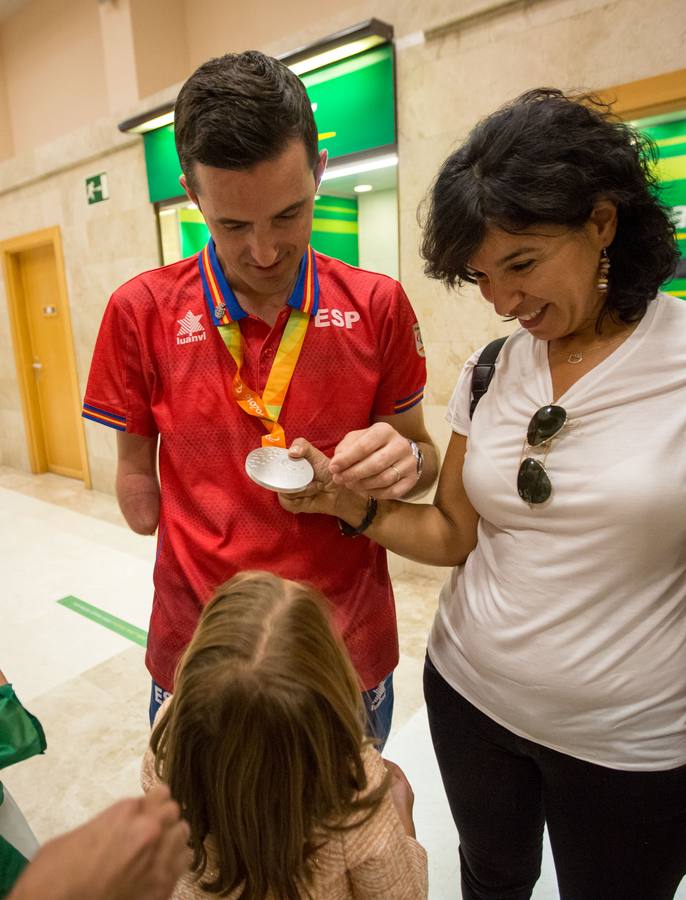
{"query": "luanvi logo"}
(191, 329)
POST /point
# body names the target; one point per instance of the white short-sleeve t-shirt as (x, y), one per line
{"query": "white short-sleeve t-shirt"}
(567, 623)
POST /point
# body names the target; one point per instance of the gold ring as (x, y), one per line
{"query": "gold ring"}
(398, 476)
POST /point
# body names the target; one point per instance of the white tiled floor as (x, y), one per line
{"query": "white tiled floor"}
(89, 686)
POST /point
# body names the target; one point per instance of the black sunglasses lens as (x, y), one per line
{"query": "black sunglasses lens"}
(533, 484)
(545, 424)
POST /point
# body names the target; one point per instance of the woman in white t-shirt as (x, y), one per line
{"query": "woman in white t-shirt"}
(556, 671)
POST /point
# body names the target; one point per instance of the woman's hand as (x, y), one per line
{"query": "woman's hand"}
(377, 460)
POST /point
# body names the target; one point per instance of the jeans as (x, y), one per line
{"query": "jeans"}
(378, 703)
(615, 834)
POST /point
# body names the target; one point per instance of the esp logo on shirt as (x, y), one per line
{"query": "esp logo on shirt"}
(327, 317)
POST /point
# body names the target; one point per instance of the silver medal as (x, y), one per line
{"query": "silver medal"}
(273, 469)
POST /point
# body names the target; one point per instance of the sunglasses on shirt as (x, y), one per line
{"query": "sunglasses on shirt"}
(533, 484)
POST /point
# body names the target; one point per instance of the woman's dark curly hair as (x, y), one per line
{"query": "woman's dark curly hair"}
(546, 158)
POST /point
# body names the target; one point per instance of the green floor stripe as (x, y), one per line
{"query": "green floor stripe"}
(125, 629)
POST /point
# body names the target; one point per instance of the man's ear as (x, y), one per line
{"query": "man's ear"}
(320, 168)
(190, 193)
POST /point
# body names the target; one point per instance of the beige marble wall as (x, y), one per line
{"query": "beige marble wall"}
(51, 57)
(104, 244)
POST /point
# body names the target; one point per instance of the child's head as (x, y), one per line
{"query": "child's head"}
(261, 743)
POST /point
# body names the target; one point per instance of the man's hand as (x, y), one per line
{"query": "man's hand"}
(377, 460)
(321, 494)
(134, 850)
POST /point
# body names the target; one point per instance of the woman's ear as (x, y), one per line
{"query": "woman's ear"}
(603, 222)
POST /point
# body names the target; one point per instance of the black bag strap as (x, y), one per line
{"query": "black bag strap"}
(483, 371)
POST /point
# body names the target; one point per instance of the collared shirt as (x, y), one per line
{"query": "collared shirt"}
(161, 368)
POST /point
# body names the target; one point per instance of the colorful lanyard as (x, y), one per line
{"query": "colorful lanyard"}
(303, 300)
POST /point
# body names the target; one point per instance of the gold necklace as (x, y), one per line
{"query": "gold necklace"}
(577, 356)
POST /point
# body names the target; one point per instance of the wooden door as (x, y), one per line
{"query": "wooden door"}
(43, 347)
(50, 359)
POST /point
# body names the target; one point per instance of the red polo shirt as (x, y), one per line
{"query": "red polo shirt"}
(160, 367)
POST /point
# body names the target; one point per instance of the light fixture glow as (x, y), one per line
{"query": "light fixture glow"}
(336, 54)
(364, 165)
(362, 188)
(152, 124)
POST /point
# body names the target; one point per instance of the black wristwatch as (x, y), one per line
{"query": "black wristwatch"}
(350, 531)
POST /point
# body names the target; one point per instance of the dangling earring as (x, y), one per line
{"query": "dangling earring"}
(603, 271)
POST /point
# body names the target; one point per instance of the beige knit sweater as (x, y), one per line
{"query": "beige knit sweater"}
(376, 861)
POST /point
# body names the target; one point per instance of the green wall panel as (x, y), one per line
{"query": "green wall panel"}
(354, 102)
(162, 164)
(193, 232)
(334, 228)
(670, 138)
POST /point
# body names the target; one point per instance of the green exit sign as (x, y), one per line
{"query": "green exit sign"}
(97, 188)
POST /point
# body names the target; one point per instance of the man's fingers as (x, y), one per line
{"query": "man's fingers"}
(299, 448)
(292, 503)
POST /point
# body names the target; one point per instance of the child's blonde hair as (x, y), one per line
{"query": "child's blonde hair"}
(261, 743)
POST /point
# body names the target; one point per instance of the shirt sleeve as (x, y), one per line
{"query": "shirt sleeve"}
(457, 414)
(385, 863)
(21, 734)
(401, 352)
(121, 378)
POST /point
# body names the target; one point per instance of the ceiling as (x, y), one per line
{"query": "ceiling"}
(380, 180)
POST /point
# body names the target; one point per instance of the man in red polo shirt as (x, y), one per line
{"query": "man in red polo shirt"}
(180, 346)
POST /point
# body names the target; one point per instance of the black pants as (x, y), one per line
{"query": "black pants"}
(615, 835)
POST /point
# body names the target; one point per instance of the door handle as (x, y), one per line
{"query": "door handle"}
(36, 365)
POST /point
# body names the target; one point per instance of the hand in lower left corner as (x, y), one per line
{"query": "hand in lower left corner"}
(133, 850)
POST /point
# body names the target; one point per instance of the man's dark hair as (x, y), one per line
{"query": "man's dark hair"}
(239, 110)
(546, 158)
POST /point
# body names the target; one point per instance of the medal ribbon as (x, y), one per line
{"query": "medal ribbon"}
(267, 407)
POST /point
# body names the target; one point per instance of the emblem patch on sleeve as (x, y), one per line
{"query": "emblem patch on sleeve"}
(418, 340)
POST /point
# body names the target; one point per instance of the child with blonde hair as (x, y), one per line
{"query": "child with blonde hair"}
(263, 746)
